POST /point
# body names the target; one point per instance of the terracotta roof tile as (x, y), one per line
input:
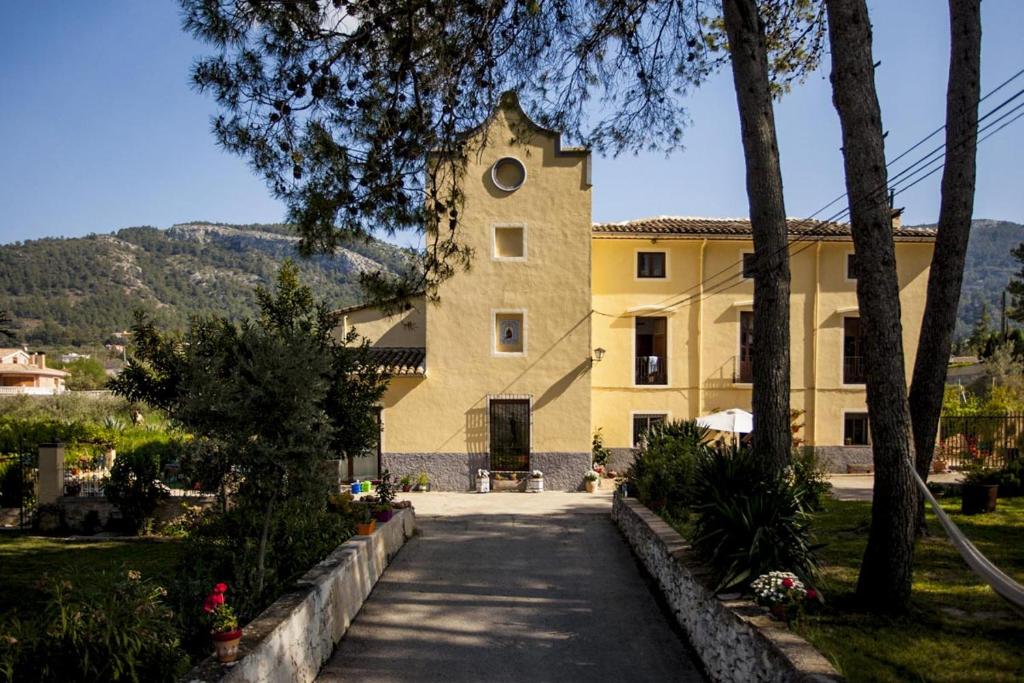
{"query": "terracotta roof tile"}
(739, 228)
(401, 360)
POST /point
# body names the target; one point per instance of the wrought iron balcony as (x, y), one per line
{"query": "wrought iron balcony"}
(651, 370)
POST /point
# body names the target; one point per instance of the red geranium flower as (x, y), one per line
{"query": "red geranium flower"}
(812, 594)
(208, 605)
(787, 582)
(220, 588)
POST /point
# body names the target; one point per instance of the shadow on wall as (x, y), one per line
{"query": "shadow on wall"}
(476, 416)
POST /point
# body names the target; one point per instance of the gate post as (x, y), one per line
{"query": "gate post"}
(51, 472)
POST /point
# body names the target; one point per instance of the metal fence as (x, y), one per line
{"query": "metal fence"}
(991, 440)
(18, 477)
(86, 478)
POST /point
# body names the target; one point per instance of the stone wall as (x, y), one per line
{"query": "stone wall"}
(457, 471)
(75, 511)
(620, 459)
(836, 459)
(290, 641)
(734, 639)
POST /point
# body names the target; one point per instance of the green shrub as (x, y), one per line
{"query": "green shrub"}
(599, 453)
(107, 628)
(809, 478)
(663, 470)
(749, 521)
(134, 487)
(221, 547)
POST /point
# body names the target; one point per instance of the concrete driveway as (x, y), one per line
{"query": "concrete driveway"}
(512, 587)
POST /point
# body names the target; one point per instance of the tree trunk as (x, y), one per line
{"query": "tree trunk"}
(955, 211)
(885, 574)
(261, 552)
(770, 356)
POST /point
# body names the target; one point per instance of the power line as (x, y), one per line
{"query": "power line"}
(911, 170)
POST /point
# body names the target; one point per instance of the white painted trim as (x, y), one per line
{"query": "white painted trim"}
(659, 309)
(739, 345)
(494, 242)
(634, 413)
(842, 430)
(749, 303)
(842, 355)
(668, 356)
(848, 309)
(652, 250)
(494, 174)
(494, 337)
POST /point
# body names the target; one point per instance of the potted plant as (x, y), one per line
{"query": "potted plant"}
(590, 480)
(385, 497)
(223, 624)
(535, 484)
(406, 483)
(980, 489)
(365, 523)
(483, 481)
(422, 482)
(782, 594)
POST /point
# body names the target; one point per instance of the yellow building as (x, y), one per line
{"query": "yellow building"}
(562, 327)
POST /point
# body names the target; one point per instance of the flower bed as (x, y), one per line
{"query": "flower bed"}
(734, 638)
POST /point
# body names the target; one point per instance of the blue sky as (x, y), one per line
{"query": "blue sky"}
(101, 130)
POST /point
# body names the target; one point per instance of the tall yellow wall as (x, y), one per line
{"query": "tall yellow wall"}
(446, 411)
(703, 334)
(406, 328)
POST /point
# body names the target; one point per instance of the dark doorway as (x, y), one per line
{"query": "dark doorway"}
(510, 435)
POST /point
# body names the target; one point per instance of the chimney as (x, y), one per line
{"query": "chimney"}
(42, 359)
(897, 218)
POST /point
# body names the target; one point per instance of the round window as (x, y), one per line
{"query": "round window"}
(508, 174)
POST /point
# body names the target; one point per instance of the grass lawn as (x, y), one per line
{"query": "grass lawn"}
(957, 629)
(24, 559)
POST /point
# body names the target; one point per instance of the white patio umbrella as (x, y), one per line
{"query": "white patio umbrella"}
(733, 420)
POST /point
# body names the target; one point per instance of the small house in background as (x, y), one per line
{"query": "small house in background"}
(22, 372)
(72, 357)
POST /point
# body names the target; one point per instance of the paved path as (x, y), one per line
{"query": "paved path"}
(512, 587)
(861, 486)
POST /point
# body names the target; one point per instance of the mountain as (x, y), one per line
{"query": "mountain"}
(77, 291)
(988, 268)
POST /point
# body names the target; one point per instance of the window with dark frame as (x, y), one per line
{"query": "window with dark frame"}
(642, 424)
(650, 264)
(851, 266)
(854, 371)
(651, 343)
(745, 371)
(856, 431)
(749, 265)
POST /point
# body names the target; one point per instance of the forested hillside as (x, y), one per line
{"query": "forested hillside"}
(76, 291)
(989, 267)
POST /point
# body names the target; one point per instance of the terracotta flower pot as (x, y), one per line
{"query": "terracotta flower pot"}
(978, 498)
(225, 643)
(366, 528)
(591, 485)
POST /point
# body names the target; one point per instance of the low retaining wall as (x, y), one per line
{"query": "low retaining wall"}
(839, 459)
(76, 511)
(734, 639)
(292, 638)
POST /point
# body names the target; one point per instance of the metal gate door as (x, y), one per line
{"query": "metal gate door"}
(510, 435)
(17, 489)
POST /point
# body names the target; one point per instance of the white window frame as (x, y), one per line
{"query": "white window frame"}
(667, 414)
(494, 336)
(859, 411)
(655, 250)
(668, 356)
(494, 242)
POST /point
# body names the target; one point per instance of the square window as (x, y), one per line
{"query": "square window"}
(509, 332)
(643, 423)
(509, 242)
(749, 264)
(856, 431)
(650, 264)
(851, 266)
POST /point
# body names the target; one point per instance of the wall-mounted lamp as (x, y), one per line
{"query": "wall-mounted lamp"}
(598, 355)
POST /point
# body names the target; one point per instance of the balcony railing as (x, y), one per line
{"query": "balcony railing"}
(651, 370)
(744, 373)
(854, 370)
